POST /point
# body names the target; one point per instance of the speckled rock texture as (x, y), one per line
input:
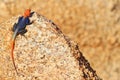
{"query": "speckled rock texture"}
(43, 53)
(93, 24)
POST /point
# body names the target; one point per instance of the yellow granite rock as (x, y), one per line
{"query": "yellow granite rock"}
(45, 53)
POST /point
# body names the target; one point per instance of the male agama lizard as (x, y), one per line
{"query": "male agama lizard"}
(19, 28)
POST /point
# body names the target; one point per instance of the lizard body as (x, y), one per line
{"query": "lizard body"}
(19, 28)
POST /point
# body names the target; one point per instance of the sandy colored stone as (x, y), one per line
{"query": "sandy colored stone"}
(94, 24)
(45, 53)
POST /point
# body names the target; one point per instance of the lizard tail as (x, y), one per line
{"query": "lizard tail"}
(12, 55)
(12, 50)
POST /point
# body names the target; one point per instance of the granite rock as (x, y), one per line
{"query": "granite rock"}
(43, 53)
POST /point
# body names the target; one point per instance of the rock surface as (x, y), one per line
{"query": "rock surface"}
(94, 24)
(45, 53)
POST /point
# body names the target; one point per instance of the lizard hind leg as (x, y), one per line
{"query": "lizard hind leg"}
(22, 32)
(14, 27)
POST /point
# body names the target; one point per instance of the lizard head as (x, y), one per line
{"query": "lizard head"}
(27, 13)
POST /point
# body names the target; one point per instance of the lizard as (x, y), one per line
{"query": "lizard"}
(19, 28)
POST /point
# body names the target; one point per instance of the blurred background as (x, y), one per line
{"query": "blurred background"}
(93, 24)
